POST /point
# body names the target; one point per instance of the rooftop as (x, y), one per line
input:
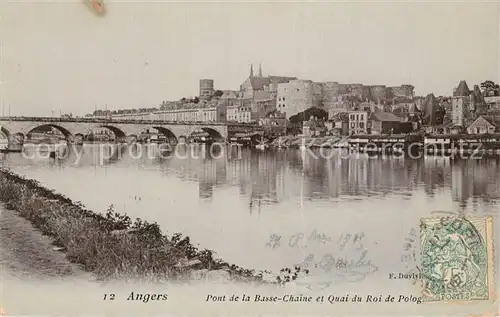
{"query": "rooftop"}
(494, 120)
(385, 116)
(258, 83)
(430, 107)
(462, 89)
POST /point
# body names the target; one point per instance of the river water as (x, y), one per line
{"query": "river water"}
(273, 209)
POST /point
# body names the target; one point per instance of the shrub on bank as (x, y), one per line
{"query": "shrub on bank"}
(110, 245)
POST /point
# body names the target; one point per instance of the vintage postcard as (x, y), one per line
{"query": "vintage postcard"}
(249, 158)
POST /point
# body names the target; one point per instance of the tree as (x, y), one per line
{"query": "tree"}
(218, 93)
(307, 114)
(490, 88)
(196, 100)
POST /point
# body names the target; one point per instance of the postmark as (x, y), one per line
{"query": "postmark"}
(457, 259)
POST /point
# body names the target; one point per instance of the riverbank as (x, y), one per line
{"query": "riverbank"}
(110, 246)
(25, 253)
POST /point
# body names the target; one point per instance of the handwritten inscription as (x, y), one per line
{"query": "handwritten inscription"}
(303, 240)
(274, 241)
(338, 269)
(408, 255)
(347, 260)
(329, 263)
(353, 239)
(409, 245)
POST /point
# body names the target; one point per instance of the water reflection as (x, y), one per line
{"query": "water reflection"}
(274, 177)
(229, 200)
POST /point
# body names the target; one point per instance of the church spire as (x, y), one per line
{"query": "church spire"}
(260, 70)
(251, 70)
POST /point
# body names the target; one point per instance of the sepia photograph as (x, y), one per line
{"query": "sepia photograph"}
(249, 158)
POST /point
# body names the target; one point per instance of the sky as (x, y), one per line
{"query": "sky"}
(60, 57)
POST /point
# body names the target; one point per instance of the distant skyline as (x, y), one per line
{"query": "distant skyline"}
(59, 57)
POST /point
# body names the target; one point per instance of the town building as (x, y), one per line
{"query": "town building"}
(467, 104)
(460, 110)
(339, 123)
(343, 97)
(447, 106)
(298, 95)
(384, 123)
(245, 111)
(445, 128)
(484, 124)
(273, 118)
(432, 112)
(185, 114)
(259, 93)
(404, 110)
(232, 113)
(313, 127)
(369, 106)
(419, 101)
(260, 87)
(493, 103)
(261, 108)
(358, 122)
(479, 105)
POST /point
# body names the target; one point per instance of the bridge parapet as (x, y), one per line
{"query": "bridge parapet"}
(71, 127)
(124, 121)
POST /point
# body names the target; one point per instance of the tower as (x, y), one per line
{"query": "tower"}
(206, 88)
(251, 70)
(260, 70)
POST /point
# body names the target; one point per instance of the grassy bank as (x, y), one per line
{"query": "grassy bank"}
(112, 246)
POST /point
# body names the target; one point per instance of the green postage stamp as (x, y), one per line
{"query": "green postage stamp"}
(457, 258)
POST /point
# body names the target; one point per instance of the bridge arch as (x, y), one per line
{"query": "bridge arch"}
(214, 133)
(166, 132)
(4, 133)
(67, 134)
(117, 132)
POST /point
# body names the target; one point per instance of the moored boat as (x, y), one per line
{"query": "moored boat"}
(261, 146)
(385, 143)
(463, 144)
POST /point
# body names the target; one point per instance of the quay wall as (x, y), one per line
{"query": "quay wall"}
(431, 144)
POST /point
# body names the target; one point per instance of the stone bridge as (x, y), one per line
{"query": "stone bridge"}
(16, 128)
